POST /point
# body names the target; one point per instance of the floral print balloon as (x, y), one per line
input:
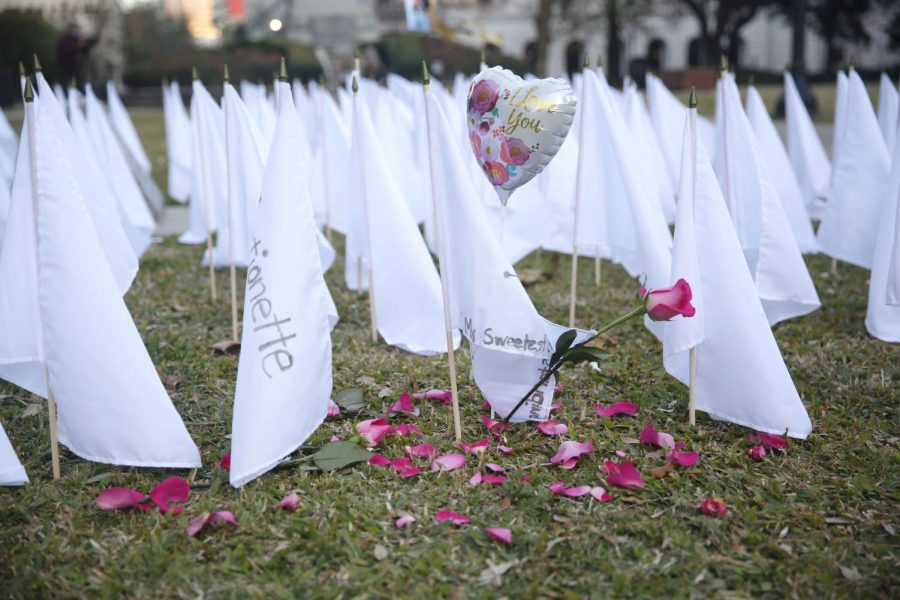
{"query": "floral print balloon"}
(516, 126)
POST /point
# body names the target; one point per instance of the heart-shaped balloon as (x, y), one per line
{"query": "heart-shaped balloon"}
(515, 126)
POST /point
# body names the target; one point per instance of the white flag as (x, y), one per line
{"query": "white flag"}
(654, 169)
(66, 321)
(511, 343)
(778, 166)
(840, 115)
(785, 286)
(329, 185)
(856, 199)
(11, 470)
(284, 374)
(741, 376)
(888, 109)
(119, 254)
(100, 179)
(124, 128)
(407, 294)
(667, 114)
(111, 156)
(178, 143)
(883, 314)
(208, 209)
(808, 158)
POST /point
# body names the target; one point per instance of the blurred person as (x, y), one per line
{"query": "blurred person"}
(72, 53)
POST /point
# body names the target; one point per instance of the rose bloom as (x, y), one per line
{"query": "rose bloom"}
(495, 172)
(514, 151)
(714, 507)
(484, 96)
(667, 303)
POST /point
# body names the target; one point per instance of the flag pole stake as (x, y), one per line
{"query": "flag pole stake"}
(232, 268)
(834, 267)
(574, 278)
(51, 401)
(597, 266)
(445, 285)
(324, 90)
(692, 389)
(692, 356)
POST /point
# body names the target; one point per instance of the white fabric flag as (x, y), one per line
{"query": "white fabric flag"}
(808, 158)
(100, 178)
(653, 165)
(124, 128)
(629, 226)
(329, 185)
(407, 294)
(840, 114)
(8, 145)
(741, 376)
(11, 470)
(208, 209)
(120, 257)
(511, 343)
(778, 165)
(856, 202)
(178, 143)
(888, 109)
(67, 322)
(782, 279)
(286, 344)
(111, 156)
(883, 313)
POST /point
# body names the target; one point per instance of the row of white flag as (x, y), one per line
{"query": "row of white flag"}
(286, 350)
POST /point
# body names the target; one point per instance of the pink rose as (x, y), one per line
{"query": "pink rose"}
(667, 303)
(484, 96)
(495, 172)
(714, 507)
(514, 151)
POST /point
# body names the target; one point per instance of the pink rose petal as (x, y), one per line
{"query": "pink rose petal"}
(289, 502)
(682, 458)
(373, 431)
(475, 479)
(421, 451)
(600, 494)
(449, 515)
(173, 489)
(623, 475)
(555, 406)
(770, 442)
(379, 460)
(225, 462)
(493, 479)
(404, 405)
(402, 463)
(493, 426)
(621, 454)
(525, 479)
(499, 533)
(505, 449)
(570, 450)
(115, 498)
(714, 507)
(448, 462)
(619, 408)
(552, 428)
(475, 447)
(650, 436)
(408, 429)
(443, 396)
(196, 524)
(756, 452)
(494, 467)
(333, 409)
(559, 488)
(486, 405)
(404, 521)
(411, 471)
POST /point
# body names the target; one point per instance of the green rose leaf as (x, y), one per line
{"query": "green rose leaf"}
(350, 399)
(337, 455)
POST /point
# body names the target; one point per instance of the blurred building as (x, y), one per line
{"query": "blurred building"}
(96, 18)
(664, 42)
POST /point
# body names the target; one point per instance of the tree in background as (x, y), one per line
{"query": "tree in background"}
(24, 33)
(720, 23)
(836, 21)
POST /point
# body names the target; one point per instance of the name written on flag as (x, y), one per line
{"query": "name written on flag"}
(274, 332)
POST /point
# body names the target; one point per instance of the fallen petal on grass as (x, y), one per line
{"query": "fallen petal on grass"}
(453, 517)
(448, 462)
(404, 521)
(116, 498)
(289, 502)
(173, 489)
(197, 524)
(499, 533)
(628, 409)
(553, 428)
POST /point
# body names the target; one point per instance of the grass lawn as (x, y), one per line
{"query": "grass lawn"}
(818, 521)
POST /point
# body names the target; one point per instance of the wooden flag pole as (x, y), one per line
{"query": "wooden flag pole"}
(32, 141)
(206, 208)
(365, 202)
(445, 285)
(597, 266)
(574, 277)
(692, 367)
(231, 267)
